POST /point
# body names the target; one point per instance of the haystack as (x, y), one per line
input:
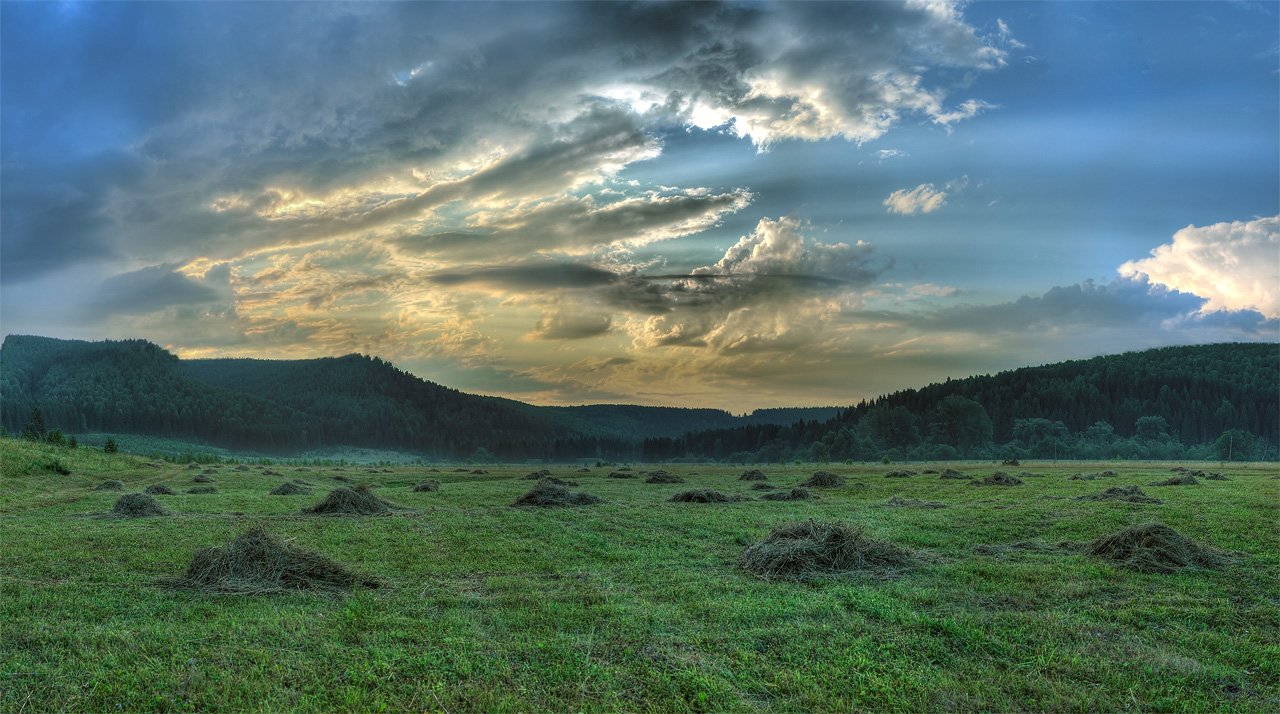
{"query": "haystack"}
(795, 494)
(621, 474)
(1183, 480)
(953, 474)
(810, 548)
(138, 505)
(112, 485)
(158, 489)
(428, 485)
(900, 474)
(753, 475)
(1128, 494)
(289, 488)
(661, 476)
(703, 495)
(1155, 548)
(545, 493)
(823, 479)
(257, 562)
(999, 478)
(358, 501)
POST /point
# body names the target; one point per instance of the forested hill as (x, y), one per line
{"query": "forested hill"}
(135, 387)
(1158, 403)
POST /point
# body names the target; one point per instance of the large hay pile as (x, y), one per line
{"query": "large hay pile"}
(258, 562)
(900, 502)
(158, 489)
(1155, 548)
(753, 475)
(201, 479)
(428, 485)
(953, 474)
(703, 495)
(112, 485)
(138, 505)
(795, 494)
(1129, 494)
(1183, 480)
(358, 501)
(801, 550)
(823, 479)
(999, 478)
(661, 476)
(545, 493)
(289, 488)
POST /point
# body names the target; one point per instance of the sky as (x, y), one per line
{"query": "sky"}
(736, 205)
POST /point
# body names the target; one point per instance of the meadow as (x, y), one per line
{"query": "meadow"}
(636, 603)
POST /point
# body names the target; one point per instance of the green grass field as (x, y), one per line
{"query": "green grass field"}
(636, 604)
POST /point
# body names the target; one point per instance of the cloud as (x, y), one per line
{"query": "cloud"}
(151, 289)
(530, 276)
(925, 198)
(565, 326)
(1233, 265)
(777, 248)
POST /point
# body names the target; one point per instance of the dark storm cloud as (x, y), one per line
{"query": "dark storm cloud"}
(530, 276)
(568, 326)
(151, 289)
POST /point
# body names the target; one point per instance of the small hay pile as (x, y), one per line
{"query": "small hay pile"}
(558, 481)
(621, 474)
(1082, 477)
(478, 472)
(428, 485)
(900, 474)
(241, 467)
(536, 475)
(703, 495)
(795, 494)
(753, 475)
(953, 474)
(1155, 548)
(1028, 474)
(138, 505)
(257, 562)
(545, 493)
(823, 479)
(201, 479)
(999, 478)
(269, 472)
(111, 485)
(202, 490)
(1183, 480)
(762, 486)
(661, 476)
(358, 501)
(1215, 476)
(797, 551)
(900, 502)
(192, 466)
(158, 489)
(1128, 494)
(289, 488)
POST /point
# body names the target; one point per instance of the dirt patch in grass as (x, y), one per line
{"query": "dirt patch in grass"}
(158, 489)
(796, 494)
(112, 485)
(798, 551)
(428, 485)
(1128, 494)
(661, 476)
(900, 502)
(823, 479)
(900, 474)
(703, 495)
(257, 562)
(202, 490)
(621, 474)
(138, 505)
(1155, 548)
(358, 501)
(999, 478)
(289, 489)
(1183, 480)
(753, 475)
(547, 494)
(952, 474)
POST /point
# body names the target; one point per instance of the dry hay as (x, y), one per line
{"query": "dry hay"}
(545, 493)
(1028, 474)
(999, 478)
(138, 505)
(201, 479)
(797, 551)
(823, 479)
(428, 485)
(1107, 474)
(258, 562)
(1183, 480)
(762, 486)
(358, 501)
(241, 467)
(621, 474)
(1129, 494)
(795, 494)
(900, 502)
(1215, 476)
(953, 474)
(289, 488)
(703, 495)
(661, 476)
(158, 489)
(270, 472)
(202, 490)
(1178, 469)
(1155, 548)
(1082, 477)
(900, 474)
(753, 475)
(536, 475)
(111, 485)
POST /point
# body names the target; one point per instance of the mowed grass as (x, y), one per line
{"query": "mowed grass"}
(635, 604)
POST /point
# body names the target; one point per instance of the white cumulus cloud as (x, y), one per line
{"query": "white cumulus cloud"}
(925, 198)
(1234, 265)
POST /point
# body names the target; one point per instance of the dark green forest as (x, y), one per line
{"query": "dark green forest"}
(1211, 401)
